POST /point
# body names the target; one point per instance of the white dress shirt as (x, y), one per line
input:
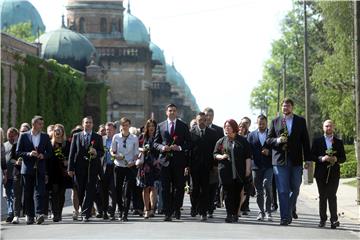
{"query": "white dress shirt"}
(127, 146)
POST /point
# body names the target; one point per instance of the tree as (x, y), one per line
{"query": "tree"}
(22, 30)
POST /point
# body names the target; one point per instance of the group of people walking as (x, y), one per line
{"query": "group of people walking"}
(118, 169)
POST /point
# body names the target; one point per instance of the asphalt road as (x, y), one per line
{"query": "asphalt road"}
(188, 228)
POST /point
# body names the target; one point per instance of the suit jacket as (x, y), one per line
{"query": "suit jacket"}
(260, 161)
(298, 145)
(319, 149)
(24, 148)
(79, 156)
(202, 148)
(241, 153)
(219, 131)
(162, 138)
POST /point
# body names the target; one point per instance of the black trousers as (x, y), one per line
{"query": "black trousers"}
(108, 190)
(86, 192)
(200, 191)
(212, 197)
(57, 199)
(232, 196)
(34, 183)
(327, 193)
(124, 186)
(173, 183)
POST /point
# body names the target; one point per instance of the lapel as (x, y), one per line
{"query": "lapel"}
(165, 128)
(323, 143)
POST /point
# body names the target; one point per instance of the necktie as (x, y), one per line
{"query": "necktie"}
(87, 140)
(202, 133)
(172, 130)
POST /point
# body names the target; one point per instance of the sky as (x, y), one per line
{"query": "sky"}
(219, 47)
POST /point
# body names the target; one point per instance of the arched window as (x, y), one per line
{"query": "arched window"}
(82, 25)
(103, 27)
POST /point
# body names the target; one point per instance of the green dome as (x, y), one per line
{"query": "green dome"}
(171, 75)
(134, 30)
(157, 54)
(67, 47)
(20, 11)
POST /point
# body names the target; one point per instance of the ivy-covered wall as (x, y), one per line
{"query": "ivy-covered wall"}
(49, 89)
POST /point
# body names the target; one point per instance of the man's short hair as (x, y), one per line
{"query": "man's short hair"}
(13, 130)
(288, 101)
(124, 120)
(110, 124)
(262, 117)
(209, 109)
(246, 118)
(200, 114)
(36, 118)
(87, 117)
(170, 106)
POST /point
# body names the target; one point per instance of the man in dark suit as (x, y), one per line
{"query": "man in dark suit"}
(327, 152)
(34, 147)
(203, 141)
(172, 139)
(214, 187)
(84, 163)
(262, 170)
(289, 140)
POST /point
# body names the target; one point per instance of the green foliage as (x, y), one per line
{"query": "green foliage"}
(22, 31)
(330, 29)
(49, 89)
(348, 169)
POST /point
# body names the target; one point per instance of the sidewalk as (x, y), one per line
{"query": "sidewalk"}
(346, 198)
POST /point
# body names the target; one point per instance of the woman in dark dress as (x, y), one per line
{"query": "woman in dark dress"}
(58, 177)
(233, 155)
(147, 167)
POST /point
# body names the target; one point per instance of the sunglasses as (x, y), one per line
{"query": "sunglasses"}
(124, 143)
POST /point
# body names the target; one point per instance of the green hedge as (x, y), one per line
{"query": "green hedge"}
(49, 89)
(348, 169)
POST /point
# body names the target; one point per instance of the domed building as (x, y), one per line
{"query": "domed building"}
(20, 11)
(135, 68)
(67, 47)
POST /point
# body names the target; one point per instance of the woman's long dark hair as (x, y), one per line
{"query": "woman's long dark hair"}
(146, 127)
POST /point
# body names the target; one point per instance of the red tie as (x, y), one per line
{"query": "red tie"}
(172, 130)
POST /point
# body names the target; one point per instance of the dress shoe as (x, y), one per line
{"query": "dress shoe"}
(235, 218)
(56, 219)
(40, 219)
(86, 219)
(294, 215)
(99, 215)
(9, 219)
(29, 220)
(245, 213)
(105, 216)
(167, 219)
(210, 215)
(203, 218)
(193, 213)
(229, 219)
(284, 222)
(177, 214)
(112, 217)
(334, 225)
(321, 224)
(124, 218)
(15, 220)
